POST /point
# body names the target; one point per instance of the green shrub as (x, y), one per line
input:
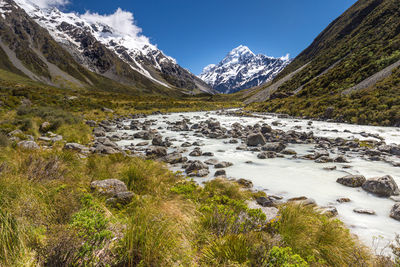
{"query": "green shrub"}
(284, 257)
(223, 216)
(227, 188)
(90, 225)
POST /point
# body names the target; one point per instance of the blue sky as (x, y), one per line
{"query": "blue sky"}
(201, 32)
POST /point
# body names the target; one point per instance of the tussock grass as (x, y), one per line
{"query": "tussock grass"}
(159, 234)
(148, 177)
(320, 239)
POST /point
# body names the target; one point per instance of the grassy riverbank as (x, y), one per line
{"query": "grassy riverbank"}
(50, 217)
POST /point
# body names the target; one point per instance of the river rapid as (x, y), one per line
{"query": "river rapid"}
(286, 175)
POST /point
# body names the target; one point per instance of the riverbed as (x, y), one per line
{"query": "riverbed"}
(291, 176)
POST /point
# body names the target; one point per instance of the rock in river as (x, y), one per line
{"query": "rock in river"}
(255, 139)
(382, 186)
(352, 180)
(364, 211)
(395, 212)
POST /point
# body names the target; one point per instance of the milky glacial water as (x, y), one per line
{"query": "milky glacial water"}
(289, 177)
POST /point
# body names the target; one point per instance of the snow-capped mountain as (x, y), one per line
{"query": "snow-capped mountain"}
(242, 69)
(93, 40)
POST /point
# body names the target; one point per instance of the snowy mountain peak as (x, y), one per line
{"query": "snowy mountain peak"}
(242, 69)
(238, 54)
(89, 36)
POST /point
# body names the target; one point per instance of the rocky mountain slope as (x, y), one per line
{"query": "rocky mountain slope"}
(350, 72)
(30, 33)
(242, 69)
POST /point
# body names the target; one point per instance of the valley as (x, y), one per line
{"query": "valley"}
(114, 154)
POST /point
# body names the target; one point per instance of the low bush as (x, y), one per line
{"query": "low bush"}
(284, 257)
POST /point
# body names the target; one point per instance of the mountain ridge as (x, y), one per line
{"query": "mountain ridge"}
(350, 68)
(83, 42)
(241, 69)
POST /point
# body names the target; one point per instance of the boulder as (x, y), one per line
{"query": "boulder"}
(102, 149)
(108, 187)
(173, 158)
(223, 164)
(195, 166)
(91, 123)
(265, 202)
(289, 152)
(343, 200)
(395, 198)
(341, 159)
(364, 211)
(382, 186)
(107, 110)
(211, 161)
(142, 143)
(265, 128)
(186, 144)
(256, 139)
(266, 154)
(76, 147)
(352, 180)
(220, 173)
(196, 152)
(99, 132)
(329, 211)
(395, 212)
(45, 126)
(199, 173)
(121, 198)
(245, 183)
(156, 151)
(276, 147)
(28, 145)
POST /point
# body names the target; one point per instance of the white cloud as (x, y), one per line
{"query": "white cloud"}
(121, 20)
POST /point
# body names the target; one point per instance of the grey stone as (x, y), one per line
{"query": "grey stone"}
(245, 183)
(108, 187)
(352, 180)
(223, 164)
(395, 212)
(220, 173)
(364, 211)
(28, 145)
(156, 151)
(382, 186)
(255, 139)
